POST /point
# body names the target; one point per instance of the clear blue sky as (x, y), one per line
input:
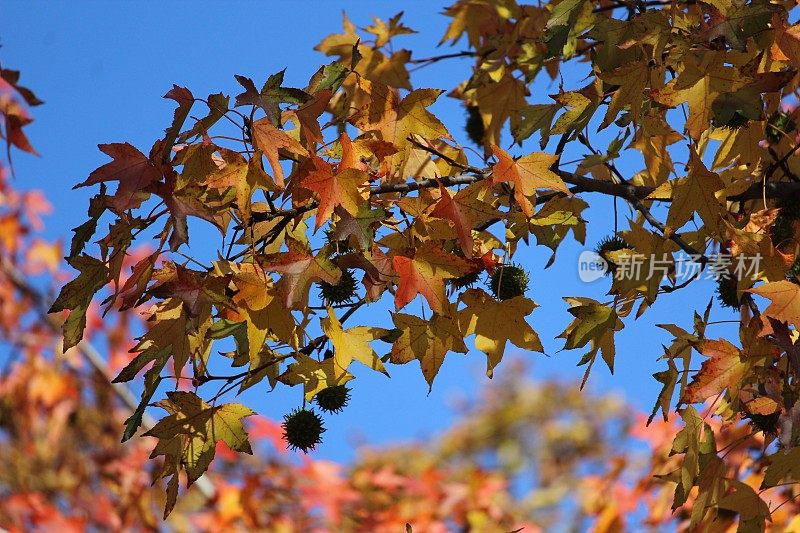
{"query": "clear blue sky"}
(101, 68)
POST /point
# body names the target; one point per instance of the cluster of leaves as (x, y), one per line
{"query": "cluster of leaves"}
(401, 203)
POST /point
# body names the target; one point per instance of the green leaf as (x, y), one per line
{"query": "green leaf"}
(328, 77)
(152, 379)
(217, 107)
(668, 378)
(84, 232)
(532, 118)
(187, 437)
(77, 294)
(783, 466)
(270, 97)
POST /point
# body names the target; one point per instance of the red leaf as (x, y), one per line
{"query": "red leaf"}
(130, 167)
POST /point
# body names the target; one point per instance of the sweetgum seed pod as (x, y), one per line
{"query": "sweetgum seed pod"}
(612, 243)
(333, 399)
(508, 281)
(302, 429)
(339, 293)
(727, 293)
(474, 126)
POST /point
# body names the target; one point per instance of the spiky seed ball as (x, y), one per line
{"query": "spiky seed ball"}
(508, 281)
(727, 293)
(338, 246)
(612, 243)
(467, 280)
(790, 207)
(766, 423)
(474, 126)
(779, 124)
(339, 293)
(302, 429)
(782, 229)
(333, 399)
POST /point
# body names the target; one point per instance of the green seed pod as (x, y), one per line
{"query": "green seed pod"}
(727, 293)
(508, 281)
(302, 429)
(735, 121)
(766, 423)
(339, 293)
(467, 280)
(793, 274)
(612, 243)
(782, 230)
(474, 125)
(333, 399)
(337, 246)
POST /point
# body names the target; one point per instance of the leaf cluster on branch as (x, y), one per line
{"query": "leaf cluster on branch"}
(353, 174)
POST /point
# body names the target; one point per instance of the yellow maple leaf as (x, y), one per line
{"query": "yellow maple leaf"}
(494, 323)
(632, 79)
(696, 192)
(497, 102)
(698, 85)
(427, 341)
(353, 344)
(315, 375)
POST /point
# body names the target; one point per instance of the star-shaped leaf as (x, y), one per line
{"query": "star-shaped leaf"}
(187, 437)
(346, 189)
(270, 96)
(77, 295)
(130, 167)
(784, 466)
(494, 323)
(299, 268)
(693, 193)
(353, 344)
(315, 375)
(724, 369)
(425, 272)
(785, 300)
(270, 140)
(466, 211)
(427, 341)
(527, 174)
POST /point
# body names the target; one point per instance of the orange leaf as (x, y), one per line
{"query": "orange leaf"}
(785, 298)
(723, 370)
(527, 174)
(309, 113)
(343, 188)
(425, 274)
(270, 140)
(465, 211)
